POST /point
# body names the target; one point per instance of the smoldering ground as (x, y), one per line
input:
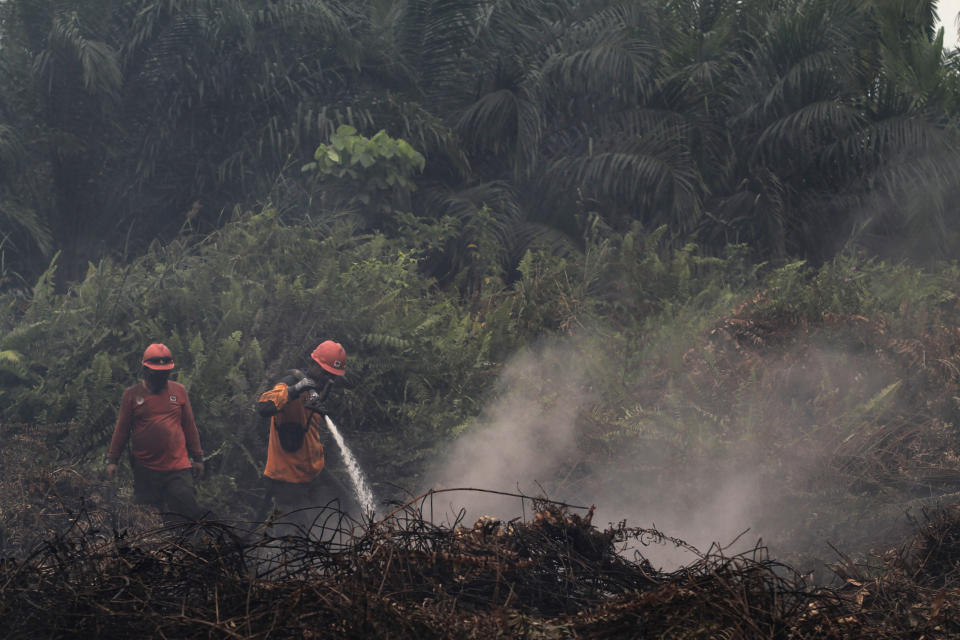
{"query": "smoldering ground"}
(759, 464)
(525, 442)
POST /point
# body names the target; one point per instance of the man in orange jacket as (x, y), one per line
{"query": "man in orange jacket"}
(295, 469)
(157, 419)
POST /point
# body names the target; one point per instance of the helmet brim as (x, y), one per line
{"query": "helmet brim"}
(326, 367)
(158, 367)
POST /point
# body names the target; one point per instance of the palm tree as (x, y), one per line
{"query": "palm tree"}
(136, 110)
(813, 144)
(771, 122)
(912, 106)
(561, 101)
(222, 94)
(67, 83)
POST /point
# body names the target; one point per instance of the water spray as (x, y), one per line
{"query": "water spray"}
(364, 495)
(360, 488)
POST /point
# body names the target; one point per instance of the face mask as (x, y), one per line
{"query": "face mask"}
(156, 379)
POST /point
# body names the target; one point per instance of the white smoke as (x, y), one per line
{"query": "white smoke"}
(524, 443)
(528, 441)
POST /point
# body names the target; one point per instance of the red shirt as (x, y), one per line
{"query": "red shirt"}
(162, 427)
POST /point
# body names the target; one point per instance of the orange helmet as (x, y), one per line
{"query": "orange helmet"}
(158, 357)
(331, 356)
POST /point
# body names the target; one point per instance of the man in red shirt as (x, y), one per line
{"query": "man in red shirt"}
(157, 419)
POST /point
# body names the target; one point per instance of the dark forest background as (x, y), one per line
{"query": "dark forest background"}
(791, 127)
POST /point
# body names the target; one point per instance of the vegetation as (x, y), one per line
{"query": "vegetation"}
(789, 126)
(724, 227)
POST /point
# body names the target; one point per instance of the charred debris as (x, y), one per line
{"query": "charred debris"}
(107, 569)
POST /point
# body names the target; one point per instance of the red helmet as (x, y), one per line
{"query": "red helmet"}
(158, 357)
(331, 356)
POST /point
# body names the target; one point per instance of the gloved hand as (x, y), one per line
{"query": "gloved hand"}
(314, 402)
(301, 385)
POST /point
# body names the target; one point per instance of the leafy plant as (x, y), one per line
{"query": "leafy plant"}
(373, 174)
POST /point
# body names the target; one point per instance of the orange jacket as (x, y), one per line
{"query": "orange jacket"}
(304, 464)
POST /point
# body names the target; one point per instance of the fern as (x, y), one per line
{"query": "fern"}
(382, 340)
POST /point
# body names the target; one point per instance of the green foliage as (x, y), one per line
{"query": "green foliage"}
(790, 127)
(630, 174)
(372, 175)
(394, 161)
(238, 308)
(242, 305)
(137, 116)
(802, 359)
(855, 284)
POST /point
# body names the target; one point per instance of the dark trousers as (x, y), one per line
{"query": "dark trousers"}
(172, 492)
(312, 506)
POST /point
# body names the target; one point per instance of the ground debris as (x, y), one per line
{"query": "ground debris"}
(556, 576)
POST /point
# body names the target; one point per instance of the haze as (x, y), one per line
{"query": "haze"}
(948, 10)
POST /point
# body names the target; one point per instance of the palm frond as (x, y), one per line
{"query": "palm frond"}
(870, 146)
(16, 215)
(612, 52)
(529, 235)
(11, 148)
(505, 121)
(655, 179)
(433, 36)
(98, 62)
(802, 133)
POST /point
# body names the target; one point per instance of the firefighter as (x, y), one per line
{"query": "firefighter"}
(295, 471)
(157, 420)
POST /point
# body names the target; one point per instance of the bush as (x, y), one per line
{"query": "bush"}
(238, 308)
